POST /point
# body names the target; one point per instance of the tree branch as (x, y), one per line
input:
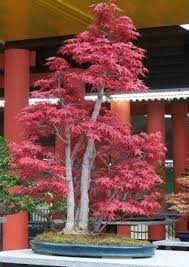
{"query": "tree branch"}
(59, 135)
(93, 157)
(59, 83)
(76, 149)
(98, 104)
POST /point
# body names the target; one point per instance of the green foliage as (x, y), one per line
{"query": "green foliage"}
(105, 239)
(5, 179)
(59, 207)
(10, 203)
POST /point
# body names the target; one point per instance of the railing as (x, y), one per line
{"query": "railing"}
(139, 230)
(35, 217)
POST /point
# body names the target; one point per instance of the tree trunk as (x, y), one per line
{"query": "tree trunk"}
(85, 175)
(69, 227)
(86, 170)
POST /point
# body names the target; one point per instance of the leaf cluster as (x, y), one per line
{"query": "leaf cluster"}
(179, 201)
(9, 202)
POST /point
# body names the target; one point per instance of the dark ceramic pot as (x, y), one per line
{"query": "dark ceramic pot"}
(184, 236)
(96, 251)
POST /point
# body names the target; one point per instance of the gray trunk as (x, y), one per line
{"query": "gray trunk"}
(69, 227)
(86, 171)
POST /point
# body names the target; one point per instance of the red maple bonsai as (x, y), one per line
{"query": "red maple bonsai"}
(101, 163)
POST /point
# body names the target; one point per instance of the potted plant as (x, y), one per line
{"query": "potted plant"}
(179, 201)
(98, 166)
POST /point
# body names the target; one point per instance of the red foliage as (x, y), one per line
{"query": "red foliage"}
(41, 172)
(123, 177)
(179, 201)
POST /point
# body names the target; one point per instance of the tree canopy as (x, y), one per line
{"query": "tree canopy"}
(97, 165)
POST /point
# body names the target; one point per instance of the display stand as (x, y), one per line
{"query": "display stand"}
(162, 258)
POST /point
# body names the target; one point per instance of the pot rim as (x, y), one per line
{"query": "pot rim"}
(91, 245)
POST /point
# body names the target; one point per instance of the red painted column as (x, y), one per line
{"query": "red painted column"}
(156, 123)
(122, 109)
(156, 117)
(180, 142)
(16, 84)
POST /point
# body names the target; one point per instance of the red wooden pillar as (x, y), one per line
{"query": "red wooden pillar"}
(156, 123)
(179, 125)
(156, 117)
(16, 84)
(122, 109)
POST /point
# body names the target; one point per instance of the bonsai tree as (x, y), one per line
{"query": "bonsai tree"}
(101, 169)
(180, 201)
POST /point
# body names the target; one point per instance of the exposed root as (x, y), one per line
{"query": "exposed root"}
(74, 231)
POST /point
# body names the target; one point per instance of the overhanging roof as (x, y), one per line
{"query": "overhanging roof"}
(163, 94)
(28, 19)
(168, 95)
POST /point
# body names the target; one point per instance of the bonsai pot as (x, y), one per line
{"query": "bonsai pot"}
(184, 236)
(92, 250)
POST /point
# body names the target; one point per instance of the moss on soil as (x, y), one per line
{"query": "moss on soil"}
(105, 239)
